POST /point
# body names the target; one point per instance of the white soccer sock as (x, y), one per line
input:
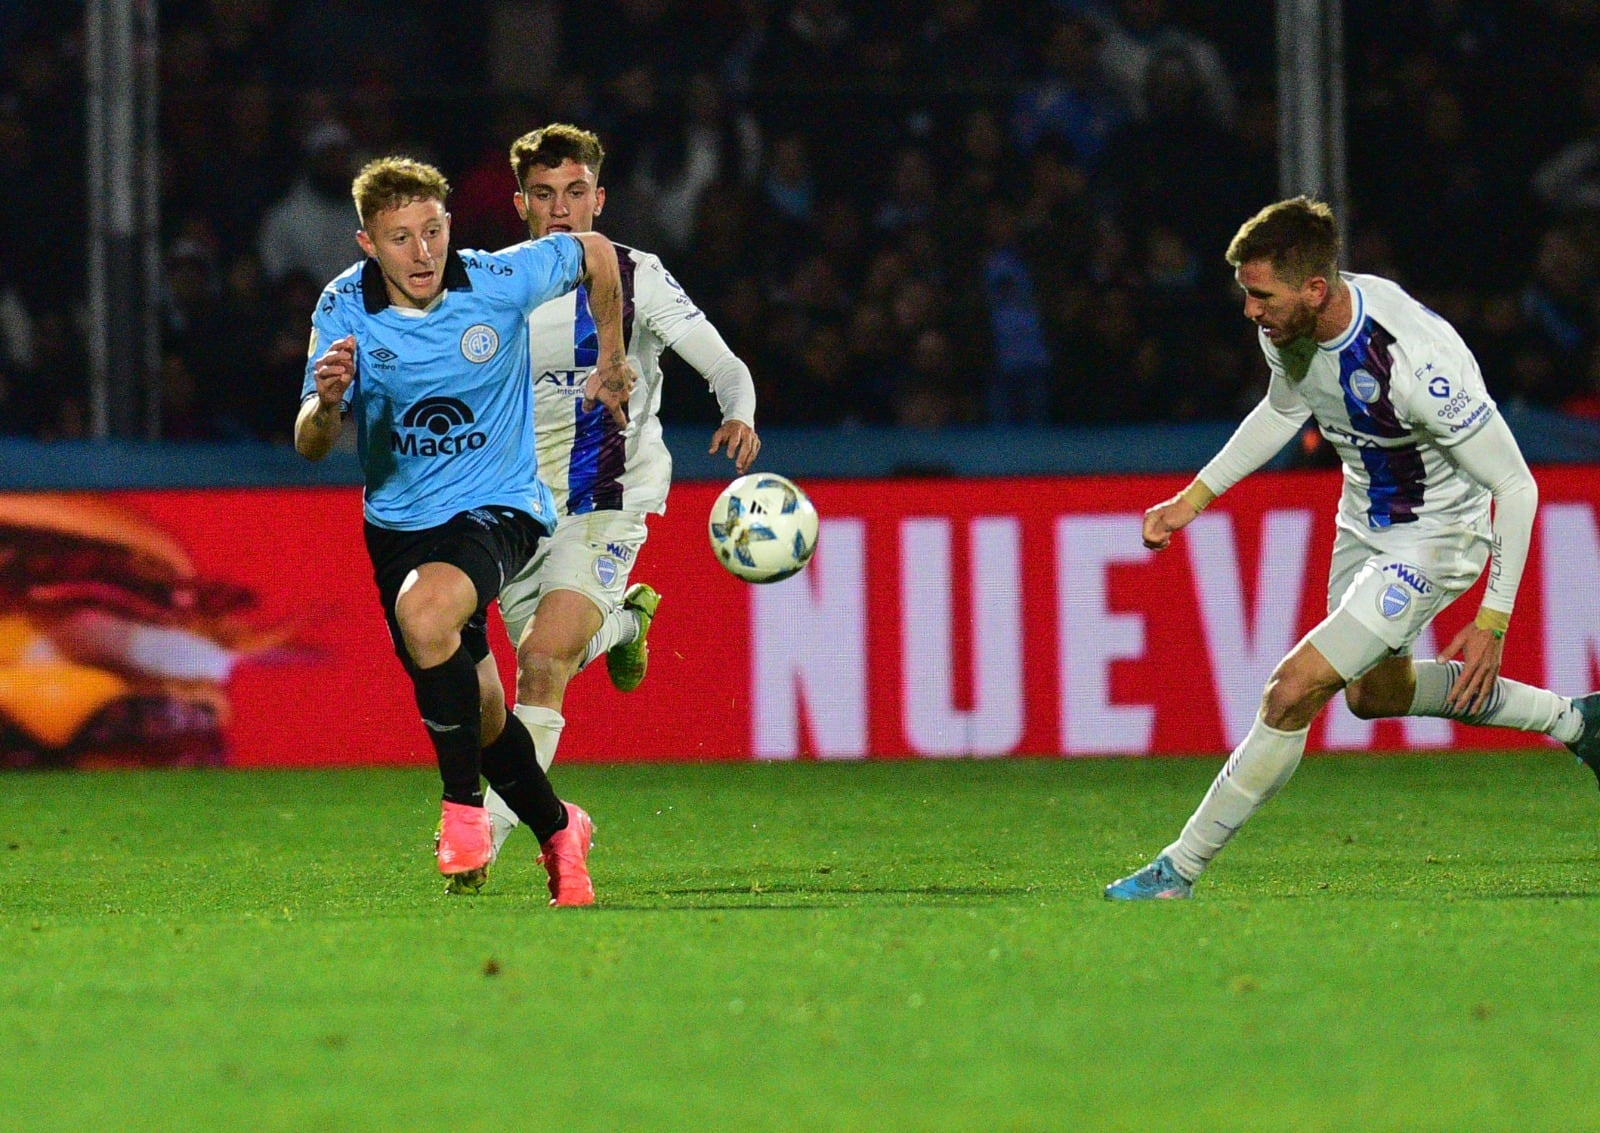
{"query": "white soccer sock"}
(544, 725)
(1512, 704)
(620, 626)
(502, 819)
(1257, 769)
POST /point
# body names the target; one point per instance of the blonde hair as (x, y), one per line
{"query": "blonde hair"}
(1299, 237)
(392, 182)
(548, 146)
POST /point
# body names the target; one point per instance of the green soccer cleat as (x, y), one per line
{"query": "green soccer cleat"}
(1587, 746)
(627, 663)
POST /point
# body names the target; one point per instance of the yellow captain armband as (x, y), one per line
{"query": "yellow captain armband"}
(1495, 621)
(1197, 495)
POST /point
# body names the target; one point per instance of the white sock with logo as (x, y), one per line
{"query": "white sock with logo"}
(1512, 704)
(620, 626)
(544, 725)
(502, 819)
(1257, 770)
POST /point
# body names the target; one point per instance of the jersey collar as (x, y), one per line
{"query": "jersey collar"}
(1358, 315)
(375, 296)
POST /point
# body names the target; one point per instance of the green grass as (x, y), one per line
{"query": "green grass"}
(1405, 943)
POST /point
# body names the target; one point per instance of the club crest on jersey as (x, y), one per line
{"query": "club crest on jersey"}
(605, 569)
(1393, 601)
(479, 343)
(1364, 387)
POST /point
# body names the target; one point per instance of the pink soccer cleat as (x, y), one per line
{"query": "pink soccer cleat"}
(465, 845)
(566, 859)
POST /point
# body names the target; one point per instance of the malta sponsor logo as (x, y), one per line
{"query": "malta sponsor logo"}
(1393, 601)
(1364, 387)
(605, 569)
(1409, 575)
(479, 343)
(433, 427)
(620, 551)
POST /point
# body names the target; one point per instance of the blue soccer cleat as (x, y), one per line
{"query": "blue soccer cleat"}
(1158, 881)
(1587, 746)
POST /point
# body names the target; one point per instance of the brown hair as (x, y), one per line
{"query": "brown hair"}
(1298, 237)
(548, 146)
(392, 182)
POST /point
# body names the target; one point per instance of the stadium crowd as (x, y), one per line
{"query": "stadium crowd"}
(911, 212)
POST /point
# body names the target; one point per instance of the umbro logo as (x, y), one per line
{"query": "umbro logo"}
(384, 354)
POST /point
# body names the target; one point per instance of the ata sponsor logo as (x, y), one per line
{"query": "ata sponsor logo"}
(1359, 440)
(434, 421)
(563, 379)
(479, 343)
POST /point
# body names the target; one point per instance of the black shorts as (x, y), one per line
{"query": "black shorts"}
(488, 544)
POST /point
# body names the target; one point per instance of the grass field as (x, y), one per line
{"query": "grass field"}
(1403, 943)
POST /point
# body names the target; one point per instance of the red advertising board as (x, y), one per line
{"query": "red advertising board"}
(939, 618)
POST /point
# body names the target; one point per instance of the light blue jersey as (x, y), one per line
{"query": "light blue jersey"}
(442, 399)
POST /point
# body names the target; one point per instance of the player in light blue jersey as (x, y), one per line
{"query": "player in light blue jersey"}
(1397, 393)
(573, 602)
(427, 350)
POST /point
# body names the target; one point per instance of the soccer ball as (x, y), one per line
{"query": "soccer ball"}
(763, 528)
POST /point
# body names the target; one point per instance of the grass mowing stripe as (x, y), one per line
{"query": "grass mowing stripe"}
(1397, 943)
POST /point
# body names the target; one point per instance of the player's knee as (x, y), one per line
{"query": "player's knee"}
(427, 625)
(1289, 701)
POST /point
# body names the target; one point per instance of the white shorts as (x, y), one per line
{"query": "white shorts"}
(592, 554)
(1379, 602)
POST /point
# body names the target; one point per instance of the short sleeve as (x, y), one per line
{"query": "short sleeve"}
(542, 269)
(328, 324)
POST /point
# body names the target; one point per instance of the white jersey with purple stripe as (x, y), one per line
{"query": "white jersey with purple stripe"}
(585, 459)
(1392, 393)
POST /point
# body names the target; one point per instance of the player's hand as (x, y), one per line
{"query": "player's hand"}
(1166, 518)
(611, 384)
(742, 442)
(335, 370)
(1480, 652)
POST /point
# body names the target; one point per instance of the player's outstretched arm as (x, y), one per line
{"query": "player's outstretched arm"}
(703, 348)
(1171, 516)
(612, 379)
(317, 427)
